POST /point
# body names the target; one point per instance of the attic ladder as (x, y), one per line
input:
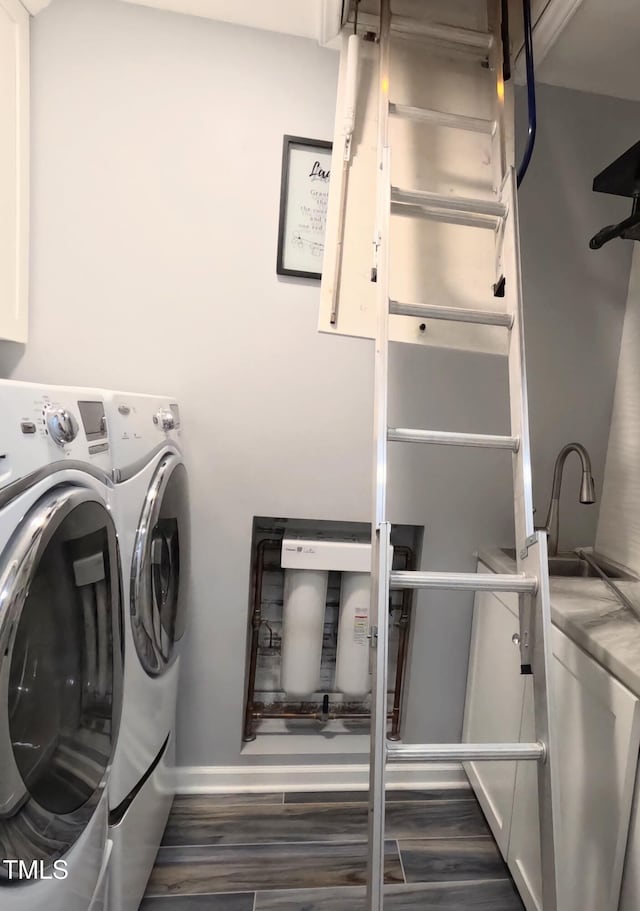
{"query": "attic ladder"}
(531, 580)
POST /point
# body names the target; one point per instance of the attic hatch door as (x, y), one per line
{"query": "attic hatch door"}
(432, 261)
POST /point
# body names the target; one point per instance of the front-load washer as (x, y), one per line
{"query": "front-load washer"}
(60, 648)
(151, 511)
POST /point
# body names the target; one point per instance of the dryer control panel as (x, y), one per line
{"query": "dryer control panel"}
(139, 424)
(40, 425)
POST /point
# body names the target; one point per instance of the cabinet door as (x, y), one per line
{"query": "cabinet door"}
(14, 169)
(493, 706)
(598, 733)
(630, 895)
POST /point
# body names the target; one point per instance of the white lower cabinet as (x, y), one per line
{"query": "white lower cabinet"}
(494, 704)
(598, 740)
(630, 895)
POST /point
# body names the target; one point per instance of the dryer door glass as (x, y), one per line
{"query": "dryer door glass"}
(159, 571)
(59, 672)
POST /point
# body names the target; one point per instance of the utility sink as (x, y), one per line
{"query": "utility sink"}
(573, 566)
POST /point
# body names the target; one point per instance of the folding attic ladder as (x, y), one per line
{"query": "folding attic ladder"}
(531, 580)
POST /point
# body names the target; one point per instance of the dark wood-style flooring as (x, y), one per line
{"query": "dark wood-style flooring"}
(308, 851)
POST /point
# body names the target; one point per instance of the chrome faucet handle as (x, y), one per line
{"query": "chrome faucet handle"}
(587, 491)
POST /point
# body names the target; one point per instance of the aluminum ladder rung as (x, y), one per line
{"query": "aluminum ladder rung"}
(453, 314)
(447, 438)
(405, 26)
(476, 211)
(464, 752)
(463, 582)
(443, 118)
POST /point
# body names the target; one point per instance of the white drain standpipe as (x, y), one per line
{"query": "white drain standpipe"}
(305, 597)
(352, 656)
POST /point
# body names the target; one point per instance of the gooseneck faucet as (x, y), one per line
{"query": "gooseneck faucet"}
(587, 491)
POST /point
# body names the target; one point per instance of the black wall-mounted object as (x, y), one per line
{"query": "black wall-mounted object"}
(621, 178)
(531, 91)
(504, 35)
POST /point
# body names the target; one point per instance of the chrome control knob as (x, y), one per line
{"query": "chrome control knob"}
(165, 419)
(61, 424)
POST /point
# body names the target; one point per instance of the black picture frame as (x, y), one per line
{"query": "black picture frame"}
(288, 145)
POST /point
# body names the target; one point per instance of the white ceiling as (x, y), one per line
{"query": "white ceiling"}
(318, 19)
(34, 6)
(598, 51)
(590, 45)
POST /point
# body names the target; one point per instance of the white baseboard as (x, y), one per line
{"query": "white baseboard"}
(329, 776)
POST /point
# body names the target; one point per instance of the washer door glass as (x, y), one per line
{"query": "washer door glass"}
(59, 672)
(159, 574)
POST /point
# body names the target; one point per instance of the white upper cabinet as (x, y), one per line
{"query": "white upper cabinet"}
(14, 170)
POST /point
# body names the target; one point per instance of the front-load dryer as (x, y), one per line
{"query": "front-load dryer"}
(60, 648)
(151, 511)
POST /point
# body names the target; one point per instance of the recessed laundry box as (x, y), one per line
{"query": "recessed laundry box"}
(308, 654)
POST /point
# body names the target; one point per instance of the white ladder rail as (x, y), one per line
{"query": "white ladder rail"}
(531, 579)
(535, 618)
(531, 557)
(517, 370)
(380, 528)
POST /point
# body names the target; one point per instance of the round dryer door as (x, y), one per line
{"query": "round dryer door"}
(60, 672)
(159, 572)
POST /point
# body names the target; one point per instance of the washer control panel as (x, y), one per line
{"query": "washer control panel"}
(42, 425)
(61, 424)
(165, 419)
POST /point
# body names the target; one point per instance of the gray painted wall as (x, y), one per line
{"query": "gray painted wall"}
(155, 187)
(574, 296)
(619, 521)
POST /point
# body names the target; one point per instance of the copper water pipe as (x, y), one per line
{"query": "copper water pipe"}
(256, 623)
(403, 641)
(319, 716)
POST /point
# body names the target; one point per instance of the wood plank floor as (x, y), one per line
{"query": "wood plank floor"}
(307, 852)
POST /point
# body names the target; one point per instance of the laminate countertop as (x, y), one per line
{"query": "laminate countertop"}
(592, 617)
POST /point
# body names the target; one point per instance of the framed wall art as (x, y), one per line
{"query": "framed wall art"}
(304, 194)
